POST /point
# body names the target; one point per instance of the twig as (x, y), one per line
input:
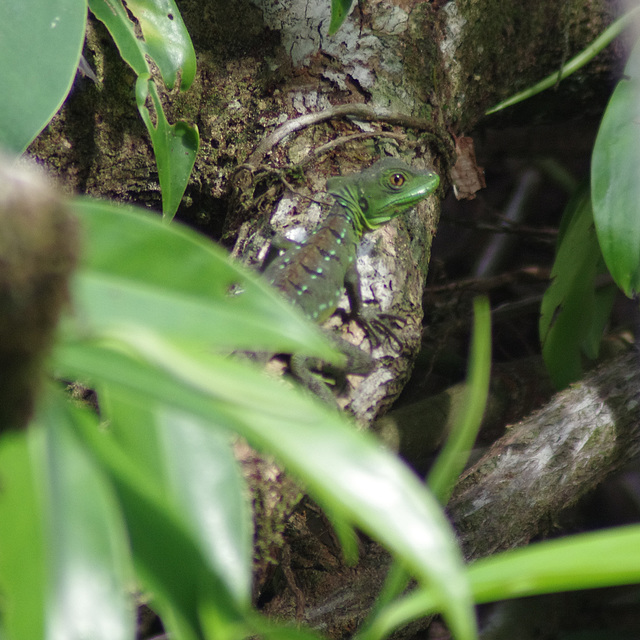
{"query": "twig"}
(359, 111)
(342, 140)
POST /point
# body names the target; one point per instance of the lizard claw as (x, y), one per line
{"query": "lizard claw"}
(377, 326)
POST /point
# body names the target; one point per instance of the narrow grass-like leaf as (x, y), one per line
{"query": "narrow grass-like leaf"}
(366, 486)
(40, 45)
(455, 453)
(615, 189)
(573, 313)
(339, 13)
(87, 546)
(584, 561)
(174, 145)
(585, 56)
(22, 545)
(137, 270)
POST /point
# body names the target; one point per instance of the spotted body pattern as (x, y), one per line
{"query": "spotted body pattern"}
(313, 275)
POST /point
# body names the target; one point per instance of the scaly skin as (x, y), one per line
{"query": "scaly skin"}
(313, 275)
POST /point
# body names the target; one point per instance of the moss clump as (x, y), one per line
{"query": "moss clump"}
(38, 250)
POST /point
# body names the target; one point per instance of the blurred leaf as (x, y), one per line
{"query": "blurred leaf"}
(86, 541)
(175, 147)
(339, 13)
(615, 184)
(169, 564)
(585, 561)
(454, 455)
(135, 270)
(40, 45)
(193, 465)
(365, 485)
(22, 550)
(573, 312)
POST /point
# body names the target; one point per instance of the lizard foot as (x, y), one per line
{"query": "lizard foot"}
(378, 327)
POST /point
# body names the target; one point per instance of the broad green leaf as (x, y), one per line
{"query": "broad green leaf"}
(114, 16)
(573, 313)
(86, 542)
(175, 147)
(615, 190)
(166, 40)
(585, 561)
(40, 45)
(194, 467)
(339, 13)
(366, 485)
(453, 457)
(22, 550)
(135, 270)
(169, 563)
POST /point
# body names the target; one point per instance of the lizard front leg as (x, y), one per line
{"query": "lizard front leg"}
(376, 324)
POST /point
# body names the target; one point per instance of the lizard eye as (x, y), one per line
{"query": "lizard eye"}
(397, 180)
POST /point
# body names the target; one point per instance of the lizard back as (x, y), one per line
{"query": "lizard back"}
(312, 275)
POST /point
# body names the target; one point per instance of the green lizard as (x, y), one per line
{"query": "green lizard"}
(313, 275)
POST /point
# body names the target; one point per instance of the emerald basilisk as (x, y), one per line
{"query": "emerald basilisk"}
(314, 275)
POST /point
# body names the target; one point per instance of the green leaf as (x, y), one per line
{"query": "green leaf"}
(166, 40)
(366, 485)
(40, 45)
(339, 13)
(573, 312)
(114, 16)
(175, 147)
(136, 270)
(584, 57)
(454, 455)
(86, 540)
(194, 467)
(615, 184)
(169, 564)
(22, 547)
(585, 561)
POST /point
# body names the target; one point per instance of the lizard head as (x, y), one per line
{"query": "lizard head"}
(385, 190)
